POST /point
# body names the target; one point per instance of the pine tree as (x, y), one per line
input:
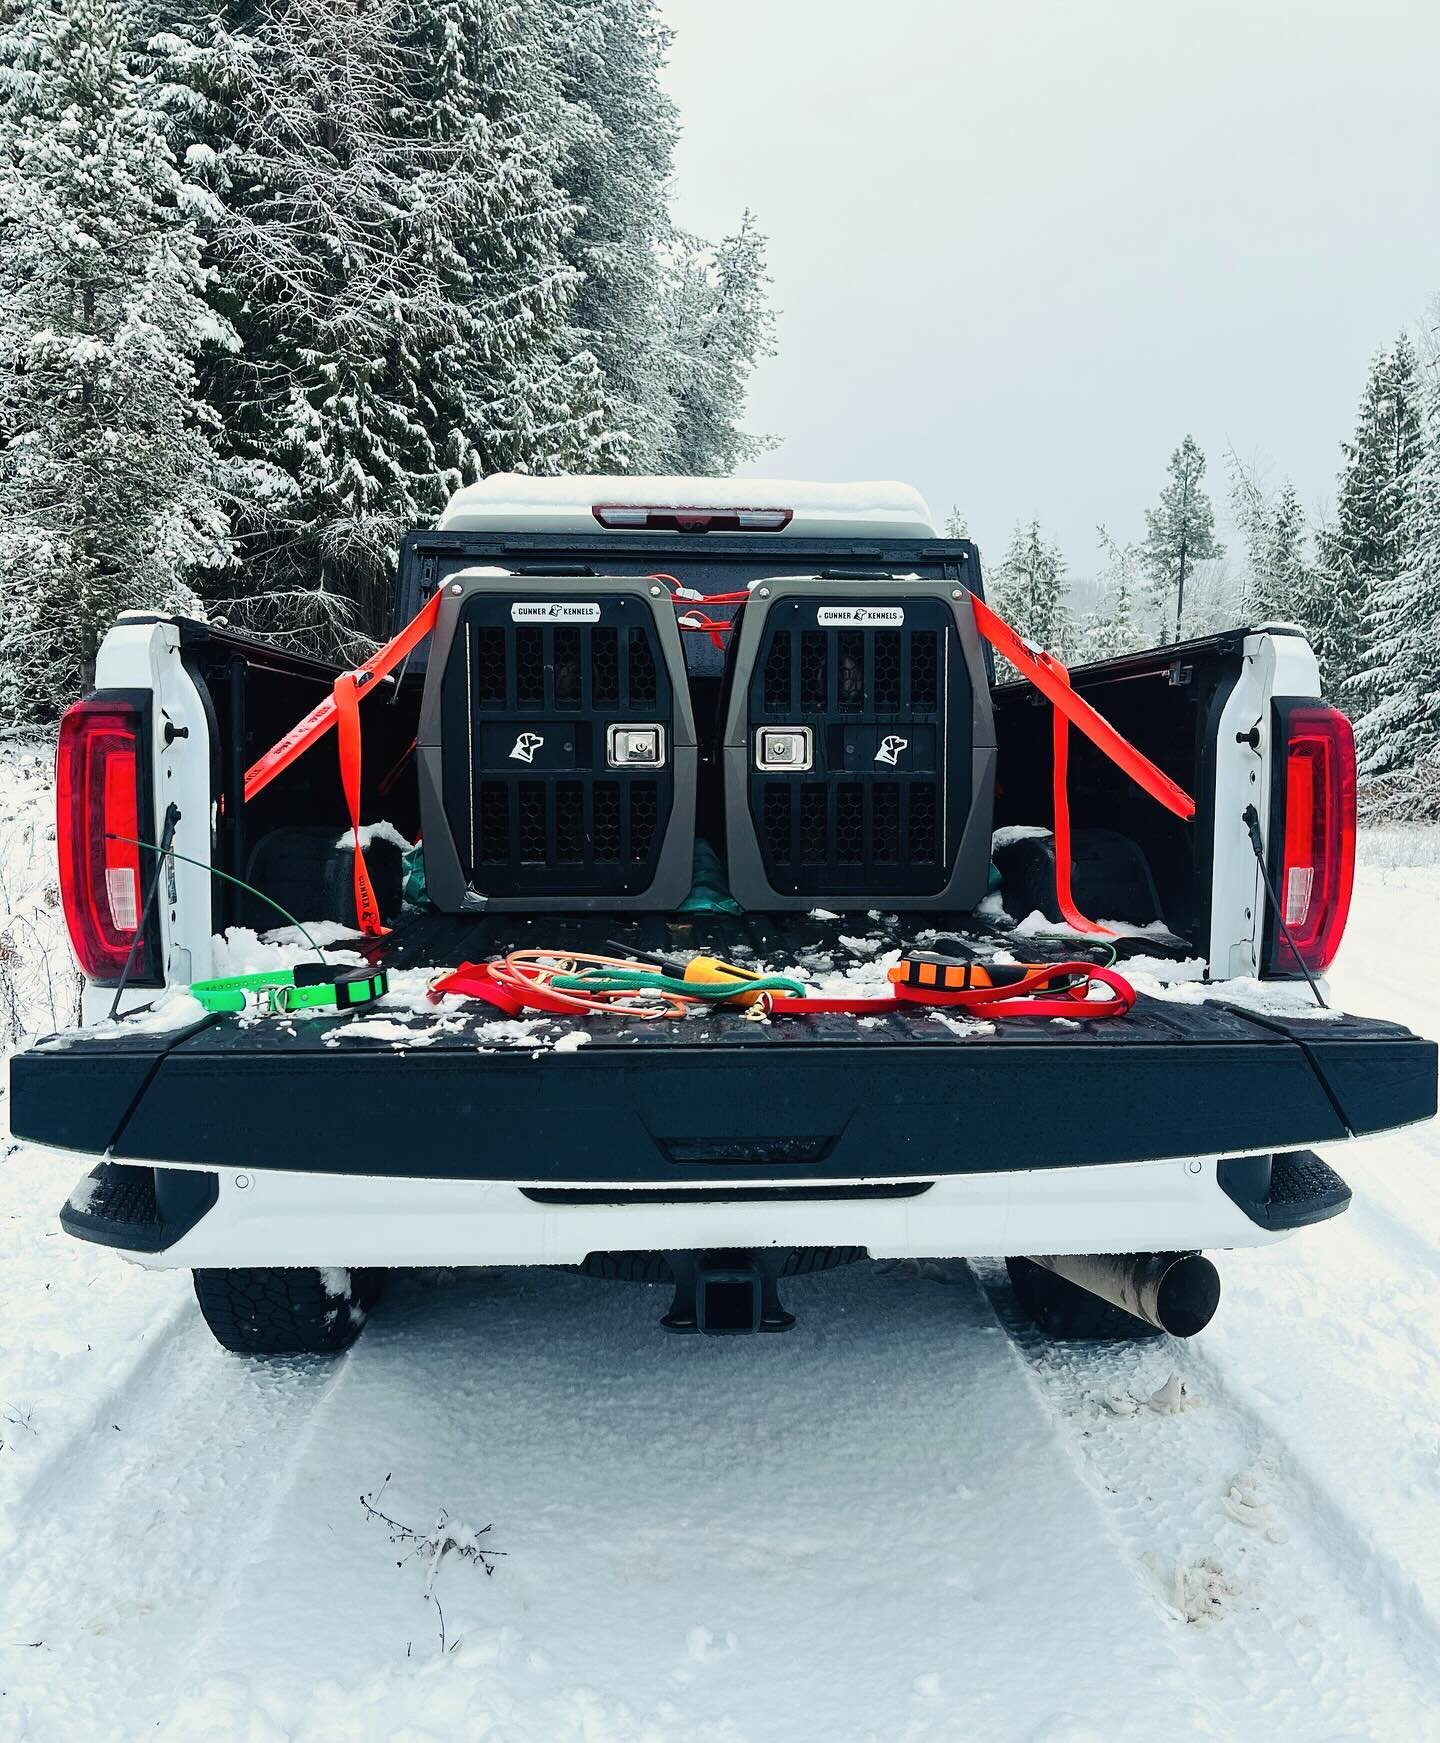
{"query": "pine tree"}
(281, 117)
(1362, 555)
(392, 245)
(513, 383)
(1277, 584)
(1180, 533)
(718, 324)
(319, 240)
(618, 172)
(956, 525)
(1025, 587)
(1250, 508)
(1110, 629)
(1401, 730)
(437, 247)
(109, 497)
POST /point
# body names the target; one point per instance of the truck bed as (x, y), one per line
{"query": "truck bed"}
(718, 1098)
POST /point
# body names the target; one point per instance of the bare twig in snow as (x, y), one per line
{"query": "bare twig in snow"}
(445, 1539)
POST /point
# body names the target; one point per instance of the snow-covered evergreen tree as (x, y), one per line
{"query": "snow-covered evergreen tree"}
(438, 247)
(618, 171)
(279, 116)
(1026, 586)
(108, 488)
(313, 248)
(1363, 554)
(1277, 586)
(393, 246)
(1180, 532)
(1401, 729)
(1111, 627)
(956, 525)
(514, 383)
(1279, 580)
(718, 324)
(1250, 510)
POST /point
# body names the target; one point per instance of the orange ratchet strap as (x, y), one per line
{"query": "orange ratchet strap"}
(1051, 678)
(347, 733)
(341, 709)
(321, 718)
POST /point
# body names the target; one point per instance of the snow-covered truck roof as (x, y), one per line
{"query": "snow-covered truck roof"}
(513, 502)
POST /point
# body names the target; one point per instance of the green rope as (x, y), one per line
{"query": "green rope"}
(650, 980)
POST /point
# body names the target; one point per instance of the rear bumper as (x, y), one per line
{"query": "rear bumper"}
(249, 1218)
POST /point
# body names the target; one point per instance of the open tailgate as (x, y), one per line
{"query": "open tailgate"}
(720, 1098)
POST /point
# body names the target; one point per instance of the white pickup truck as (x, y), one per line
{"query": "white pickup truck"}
(292, 1160)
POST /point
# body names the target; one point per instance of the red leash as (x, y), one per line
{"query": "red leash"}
(473, 980)
(1021, 998)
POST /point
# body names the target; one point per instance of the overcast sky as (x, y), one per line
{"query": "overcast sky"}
(1020, 247)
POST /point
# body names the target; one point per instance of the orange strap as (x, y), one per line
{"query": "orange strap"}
(1060, 802)
(1052, 679)
(341, 709)
(322, 717)
(347, 732)
(474, 980)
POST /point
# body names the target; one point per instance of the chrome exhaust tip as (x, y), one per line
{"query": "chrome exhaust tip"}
(1175, 1292)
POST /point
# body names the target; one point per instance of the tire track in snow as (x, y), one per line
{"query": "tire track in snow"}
(34, 1493)
(1274, 1614)
(857, 1531)
(1378, 1584)
(261, 1524)
(1360, 1374)
(126, 1540)
(1411, 1157)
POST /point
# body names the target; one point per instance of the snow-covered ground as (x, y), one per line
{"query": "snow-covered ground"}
(907, 1519)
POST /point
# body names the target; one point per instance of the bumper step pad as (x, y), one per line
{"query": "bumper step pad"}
(141, 1210)
(1287, 1191)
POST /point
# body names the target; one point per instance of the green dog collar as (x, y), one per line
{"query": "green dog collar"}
(308, 986)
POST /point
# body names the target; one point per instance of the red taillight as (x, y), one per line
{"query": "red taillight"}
(97, 797)
(1313, 830)
(640, 517)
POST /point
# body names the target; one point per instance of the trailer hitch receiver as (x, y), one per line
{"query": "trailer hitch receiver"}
(726, 1293)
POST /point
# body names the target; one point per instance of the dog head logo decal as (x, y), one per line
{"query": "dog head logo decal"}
(889, 751)
(525, 747)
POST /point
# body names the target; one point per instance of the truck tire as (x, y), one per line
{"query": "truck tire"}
(1064, 1311)
(297, 1311)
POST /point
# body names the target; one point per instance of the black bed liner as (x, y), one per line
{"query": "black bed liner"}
(716, 1098)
